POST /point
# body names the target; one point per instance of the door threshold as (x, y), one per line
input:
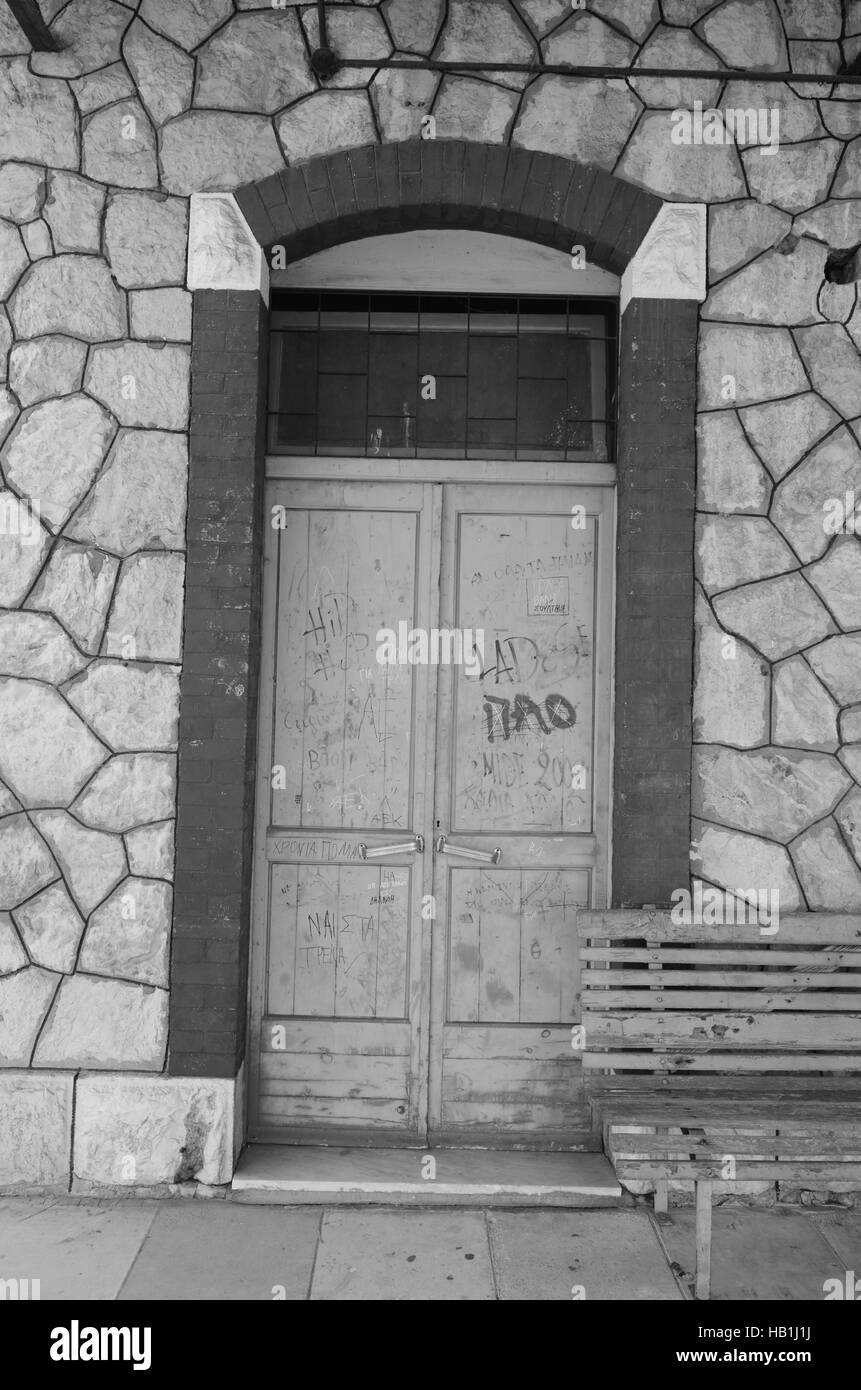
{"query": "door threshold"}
(395, 1177)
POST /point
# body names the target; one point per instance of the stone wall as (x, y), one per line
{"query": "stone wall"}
(101, 146)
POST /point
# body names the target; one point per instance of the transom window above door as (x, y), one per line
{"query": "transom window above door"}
(442, 376)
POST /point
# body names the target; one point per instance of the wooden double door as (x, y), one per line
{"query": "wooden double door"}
(433, 808)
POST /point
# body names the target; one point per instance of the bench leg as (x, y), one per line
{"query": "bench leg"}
(662, 1192)
(704, 1238)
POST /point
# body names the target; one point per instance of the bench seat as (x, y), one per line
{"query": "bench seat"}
(721, 1056)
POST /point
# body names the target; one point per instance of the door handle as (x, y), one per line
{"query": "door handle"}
(414, 846)
(442, 846)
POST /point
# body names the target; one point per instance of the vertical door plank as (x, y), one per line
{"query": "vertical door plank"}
(377, 714)
(332, 623)
(499, 944)
(541, 952)
(293, 720)
(316, 944)
(392, 921)
(356, 974)
(282, 938)
(576, 890)
(464, 914)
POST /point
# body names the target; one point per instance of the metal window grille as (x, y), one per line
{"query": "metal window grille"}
(444, 376)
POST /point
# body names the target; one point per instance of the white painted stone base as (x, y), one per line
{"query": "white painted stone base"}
(36, 1130)
(103, 1133)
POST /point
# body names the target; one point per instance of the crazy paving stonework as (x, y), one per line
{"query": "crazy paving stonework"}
(101, 145)
(776, 796)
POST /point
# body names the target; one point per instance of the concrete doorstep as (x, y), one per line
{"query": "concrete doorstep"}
(286, 1173)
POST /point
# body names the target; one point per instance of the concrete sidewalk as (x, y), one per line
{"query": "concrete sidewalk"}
(80, 1248)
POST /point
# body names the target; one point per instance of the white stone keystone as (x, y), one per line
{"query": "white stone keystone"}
(671, 260)
(223, 252)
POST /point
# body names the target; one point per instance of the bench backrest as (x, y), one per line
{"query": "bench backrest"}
(666, 997)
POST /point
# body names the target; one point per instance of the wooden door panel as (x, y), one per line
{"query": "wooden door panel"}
(528, 582)
(513, 956)
(342, 722)
(511, 1084)
(313, 1078)
(340, 955)
(522, 768)
(338, 941)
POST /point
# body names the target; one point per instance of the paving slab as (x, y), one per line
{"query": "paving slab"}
(842, 1232)
(215, 1250)
(403, 1256)
(550, 1256)
(78, 1250)
(756, 1254)
(22, 1208)
(128, 1248)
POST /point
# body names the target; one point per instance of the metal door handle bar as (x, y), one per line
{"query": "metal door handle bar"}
(414, 846)
(442, 846)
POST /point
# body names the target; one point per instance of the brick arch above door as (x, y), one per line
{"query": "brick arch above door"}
(659, 251)
(449, 183)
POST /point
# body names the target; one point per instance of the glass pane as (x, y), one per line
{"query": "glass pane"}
(442, 352)
(588, 325)
(300, 311)
(492, 377)
(342, 351)
(391, 435)
(342, 403)
(578, 433)
(295, 362)
(541, 414)
(491, 434)
(398, 313)
(344, 311)
(543, 315)
(445, 311)
(492, 315)
(392, 374)
(295, 431)
(580, 376)
(443, 421)
(542, 355)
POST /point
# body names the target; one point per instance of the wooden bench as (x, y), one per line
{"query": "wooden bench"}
(720, 1054)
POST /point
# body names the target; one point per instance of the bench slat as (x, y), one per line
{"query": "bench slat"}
(814, 929)
(721, 979)
(757, 1113)
(752, 1119)
(745, 1000)
(696, 956)
(726, 1031)
(624, 1144)
(723, 1061)
(821, 1173)
(614, 1092)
